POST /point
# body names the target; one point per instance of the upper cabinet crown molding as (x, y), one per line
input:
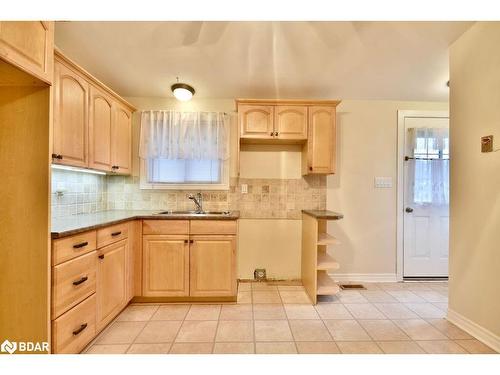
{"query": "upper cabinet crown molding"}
(306, 102)
(29, 46)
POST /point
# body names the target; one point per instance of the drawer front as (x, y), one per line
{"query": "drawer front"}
(213, 227)
(165, 227)
(112, 234)
(72, 282)
(72, 331)
(68, 248)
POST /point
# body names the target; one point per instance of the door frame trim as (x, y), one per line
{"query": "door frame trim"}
(402, 114)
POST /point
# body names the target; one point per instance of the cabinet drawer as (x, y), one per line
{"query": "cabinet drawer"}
(109, 235)
(70, 247)
(72, 282)
(165, 227)
(213, 227)
(72, 331)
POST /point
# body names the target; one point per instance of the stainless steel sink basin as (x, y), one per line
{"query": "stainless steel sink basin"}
(195, 213)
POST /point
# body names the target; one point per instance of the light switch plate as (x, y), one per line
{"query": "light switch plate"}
(244, 189)
(383, 182)
(487, 143)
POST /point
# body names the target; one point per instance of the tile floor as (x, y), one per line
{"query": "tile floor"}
(279, 319)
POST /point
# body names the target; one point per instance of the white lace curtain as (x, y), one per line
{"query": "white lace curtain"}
(430, 167)
(184, 135)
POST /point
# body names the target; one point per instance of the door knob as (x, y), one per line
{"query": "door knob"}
(409, 210)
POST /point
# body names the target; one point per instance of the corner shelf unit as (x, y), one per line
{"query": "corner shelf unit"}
(316, 261)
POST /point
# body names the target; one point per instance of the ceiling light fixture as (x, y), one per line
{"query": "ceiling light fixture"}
(182, 91)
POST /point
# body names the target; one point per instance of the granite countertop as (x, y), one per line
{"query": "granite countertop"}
(69, 225)
(323, 214)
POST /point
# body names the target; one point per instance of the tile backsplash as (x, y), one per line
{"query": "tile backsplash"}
(266, 198)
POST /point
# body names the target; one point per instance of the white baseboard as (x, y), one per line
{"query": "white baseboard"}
(365, 277)
(474, 329)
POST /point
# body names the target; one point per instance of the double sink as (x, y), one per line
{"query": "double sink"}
(195, 213)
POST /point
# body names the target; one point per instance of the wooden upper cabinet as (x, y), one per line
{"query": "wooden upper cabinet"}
(290, 122)
(165, 266)
(100, 120)
(70, 134)
(111, 287)
(320, 150)
(213, 266)
(121, 140)
(256, 121)
(29, 45)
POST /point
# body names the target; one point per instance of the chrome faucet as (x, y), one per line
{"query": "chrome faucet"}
(197, 201)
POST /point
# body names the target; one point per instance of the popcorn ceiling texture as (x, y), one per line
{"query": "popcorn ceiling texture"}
(266, 198)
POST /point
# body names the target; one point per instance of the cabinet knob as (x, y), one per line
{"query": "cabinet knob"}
(57, 156)
(272, 133)
(101, 256)
(310, 168)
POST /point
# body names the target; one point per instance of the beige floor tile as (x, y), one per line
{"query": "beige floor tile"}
(197, 331)
(396, 311)
(298, 311)
(107, 349)
(203, 312)
(309, 330)
(419, 329)
(160, 331)
(264, 287)
(346, 330)
(371, 286)
(162, 348)
(121, 333)
(441, 347)
(364, 311)
(358, 347)
(333, 311)
(475, 346)
(293, 296)
(137, 313)
(426, 310)
(391, 286)
(296, 288)
(377, 296)
(244, 297)
(450, 329)
(270, 296)
(325, 347)
(432, 296)
(441, 305)
(244, 287)
(171, 312)
(191, 348)
(383, 330)
(235, 331)
(413, 287)
(405, 296)
(234, 348)
(269, 311)
(272, 330)
(400, 347)
(351, 296)
(275, 348)
(236, 312)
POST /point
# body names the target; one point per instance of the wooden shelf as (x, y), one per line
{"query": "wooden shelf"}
(326, 262)
(327, 239)
(326, 286)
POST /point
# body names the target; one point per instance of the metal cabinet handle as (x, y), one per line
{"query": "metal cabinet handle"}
(114, 234)
(186, 241)
(80, 245)
(82, 327)
(101, 256)
(409, 210)
(272, 133)
(82, 280)
(191, 241)
(57, 156)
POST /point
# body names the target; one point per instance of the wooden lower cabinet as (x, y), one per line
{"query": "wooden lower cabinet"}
(165, 265)
(111, 286)
(212, 266)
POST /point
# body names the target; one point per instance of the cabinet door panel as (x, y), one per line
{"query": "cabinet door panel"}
(291, 122)
(213, 266)
(256, 121)
(111, 281)
(321, 140)
(70, 117)
(101, 115)
(121, 140)
(165, 266)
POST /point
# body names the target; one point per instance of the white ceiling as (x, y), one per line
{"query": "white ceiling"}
(329, 60)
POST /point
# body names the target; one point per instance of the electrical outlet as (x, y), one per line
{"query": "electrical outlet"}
(244, 189)
(487, 143)
(383, 182)
(260, 274)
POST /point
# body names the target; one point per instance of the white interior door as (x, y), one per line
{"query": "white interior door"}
(426, 197)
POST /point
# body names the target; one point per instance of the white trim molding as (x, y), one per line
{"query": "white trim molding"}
(365, 277)
(474, 329)
(402, 114)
